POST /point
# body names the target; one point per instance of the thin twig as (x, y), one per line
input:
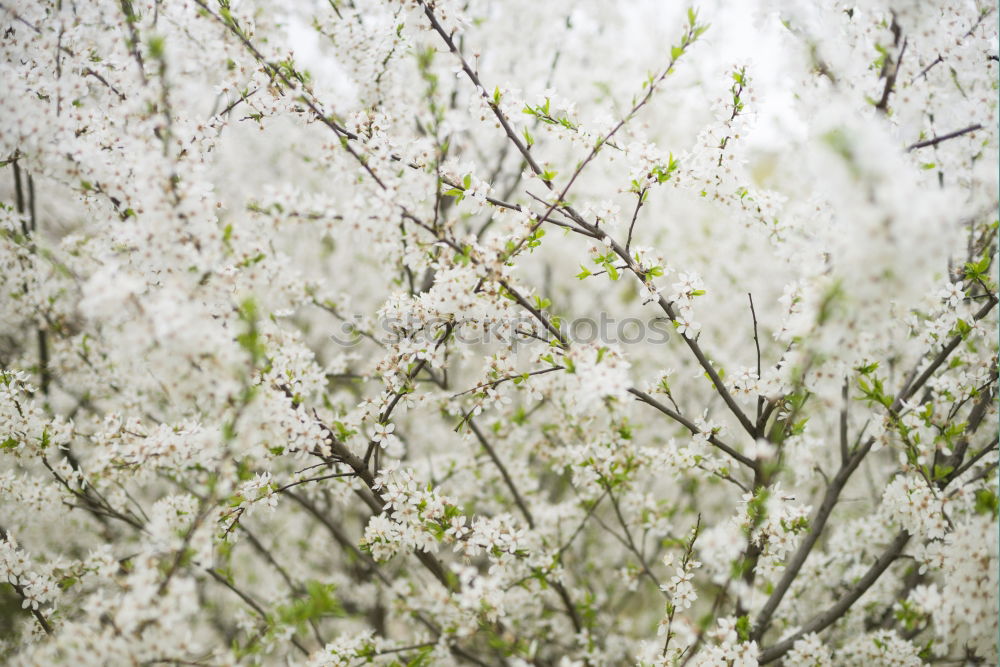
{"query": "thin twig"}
(756, 342)
(690, 425)
(944, 137)
(640, 199)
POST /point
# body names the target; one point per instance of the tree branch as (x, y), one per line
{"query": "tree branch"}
(824, 619)
(690, 425)
(944, 137)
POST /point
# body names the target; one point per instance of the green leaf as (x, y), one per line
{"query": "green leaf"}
(743, 628)
(987, 502)
(319, 602)
(156, 47)
(866, 370)
(422, 658)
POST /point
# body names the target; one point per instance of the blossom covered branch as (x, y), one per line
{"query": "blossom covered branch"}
(498, 333)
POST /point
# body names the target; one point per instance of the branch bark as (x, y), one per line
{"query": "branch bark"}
(826, 618)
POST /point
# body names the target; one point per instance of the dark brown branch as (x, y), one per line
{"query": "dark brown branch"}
(816, 525)
(944, 137)
(630, 543)
(891, 67)
(690, 425)
(973, 460)
(508, 480)
(519, 501)
(689, 38)
(508, 378)
(635, 216)
(843, 425)
(912, 388)
(39, 616)
(251, 603)
(824, 619)
(756, 343)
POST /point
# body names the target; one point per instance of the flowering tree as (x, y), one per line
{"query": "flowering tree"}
(502, 333)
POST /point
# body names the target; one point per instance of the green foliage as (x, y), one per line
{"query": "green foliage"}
(693, 32)
(422, 657)
(662, 173)
(976, 271)
(741, 81)
(318, 602)
(459, 192)
(529, 140)
(250, 339)
(11, 613)
(873, 390)
(607, 261)
(743, 628)
(543, 113)
(987, 502)
(757, 509)
(534, 239)
(156, 47)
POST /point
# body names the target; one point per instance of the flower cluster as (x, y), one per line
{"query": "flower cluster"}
(290, 364)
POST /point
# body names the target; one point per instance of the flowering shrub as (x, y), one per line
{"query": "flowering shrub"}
(299, 354)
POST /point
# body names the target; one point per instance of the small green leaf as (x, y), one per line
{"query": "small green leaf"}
(156, 47)
(743, 628)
